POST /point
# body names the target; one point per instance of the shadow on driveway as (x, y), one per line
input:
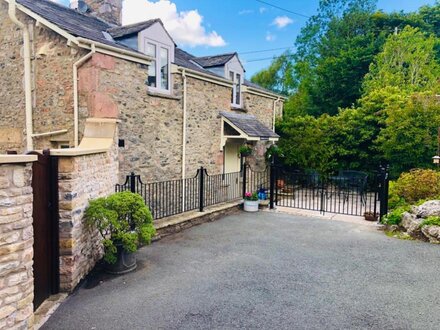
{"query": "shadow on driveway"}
(270, 271)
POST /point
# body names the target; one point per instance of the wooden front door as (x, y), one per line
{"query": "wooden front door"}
(45, 224)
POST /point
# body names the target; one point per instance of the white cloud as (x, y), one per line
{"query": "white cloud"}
(245, 12)
(186, 27)
(262, 10)
(282, 21)
(270, 36)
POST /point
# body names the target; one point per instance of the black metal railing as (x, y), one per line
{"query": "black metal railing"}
(349, 192)
(167, 198)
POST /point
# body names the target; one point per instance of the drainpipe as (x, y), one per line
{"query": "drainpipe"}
(27, 73)
(76, 66)
(184, 139)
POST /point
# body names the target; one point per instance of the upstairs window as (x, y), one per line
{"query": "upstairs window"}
(236, 88)
(159, 69)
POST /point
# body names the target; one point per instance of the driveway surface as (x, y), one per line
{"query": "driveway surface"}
(268, 271)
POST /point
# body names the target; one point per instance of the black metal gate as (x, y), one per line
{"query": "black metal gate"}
(349, 192)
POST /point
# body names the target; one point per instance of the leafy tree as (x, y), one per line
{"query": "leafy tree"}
(407, 62)
(278, 77)
(409, 139)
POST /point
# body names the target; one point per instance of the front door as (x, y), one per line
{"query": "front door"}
(232, 158)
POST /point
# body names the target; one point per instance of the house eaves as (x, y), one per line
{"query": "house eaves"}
(102, 45)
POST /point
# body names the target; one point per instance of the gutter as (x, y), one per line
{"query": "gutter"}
(205, 77)
(76, 66)
(27, 73)
(251, 90)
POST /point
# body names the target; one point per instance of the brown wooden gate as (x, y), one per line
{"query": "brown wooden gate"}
(45, 223)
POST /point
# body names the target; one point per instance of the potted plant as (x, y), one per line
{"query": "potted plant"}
(251, 202)
(124, 223)
(371, 216)
(272, 152)
(245, 150)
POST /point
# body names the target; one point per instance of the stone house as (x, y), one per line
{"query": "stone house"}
(176, 111)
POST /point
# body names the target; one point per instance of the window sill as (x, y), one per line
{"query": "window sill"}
(164, 95)
(238, 108)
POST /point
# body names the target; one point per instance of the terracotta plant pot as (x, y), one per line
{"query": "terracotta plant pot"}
(280, 184)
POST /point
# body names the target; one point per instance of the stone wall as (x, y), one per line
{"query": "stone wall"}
(205, 101)
(16, 252)
(52, 62)
(12, 104)
(81, 178)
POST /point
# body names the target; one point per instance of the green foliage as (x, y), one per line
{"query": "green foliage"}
(272, 151)
(121, 218)
(407, 62)
(278, 77)
(431, 221)
(395, 216)
(251, 196)
(418, 185)
(394, 199)
(245, 150)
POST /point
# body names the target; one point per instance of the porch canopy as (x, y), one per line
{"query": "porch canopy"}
(246, 127)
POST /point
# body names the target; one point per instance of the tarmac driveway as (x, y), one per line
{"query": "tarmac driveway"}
(269, 271)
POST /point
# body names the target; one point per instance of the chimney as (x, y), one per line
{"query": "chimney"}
(107, 10)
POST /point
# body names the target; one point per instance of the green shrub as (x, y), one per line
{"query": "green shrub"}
(121, 219)
(418, 184)
(431, 221)
(394, 200)
(395, 216)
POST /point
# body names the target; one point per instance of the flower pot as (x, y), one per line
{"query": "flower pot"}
(370, 216)
(125, 262)
(251, 206)
(246, 154)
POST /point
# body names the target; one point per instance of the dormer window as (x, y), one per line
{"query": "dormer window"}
(159, 69)
(236, 88)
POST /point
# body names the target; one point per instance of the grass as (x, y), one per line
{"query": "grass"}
(431, 221)
(399, 235)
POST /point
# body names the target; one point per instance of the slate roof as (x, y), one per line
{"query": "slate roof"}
(215, 60)
(90, 27)
(251, 84)
(71, 21)
(186, 60)
(249, 124)
(121, 31)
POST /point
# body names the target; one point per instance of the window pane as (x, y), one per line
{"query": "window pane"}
(151, 50)
(164, 68)
(152, 76)
(231, 76)
(238, 89)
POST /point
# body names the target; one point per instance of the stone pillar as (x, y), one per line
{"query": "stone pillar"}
(16, 243)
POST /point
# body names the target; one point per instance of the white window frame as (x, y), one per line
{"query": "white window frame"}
(158, 88)
(234, 88)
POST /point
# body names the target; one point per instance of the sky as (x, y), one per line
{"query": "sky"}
(254, 29)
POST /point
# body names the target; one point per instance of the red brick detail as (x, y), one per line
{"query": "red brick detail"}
(102, 105)
(88, 79)
(103, 61)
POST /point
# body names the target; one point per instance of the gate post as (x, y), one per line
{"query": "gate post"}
(244, 179)
(201, 189)
(132, 182)
(385, 181)
(272, 186)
